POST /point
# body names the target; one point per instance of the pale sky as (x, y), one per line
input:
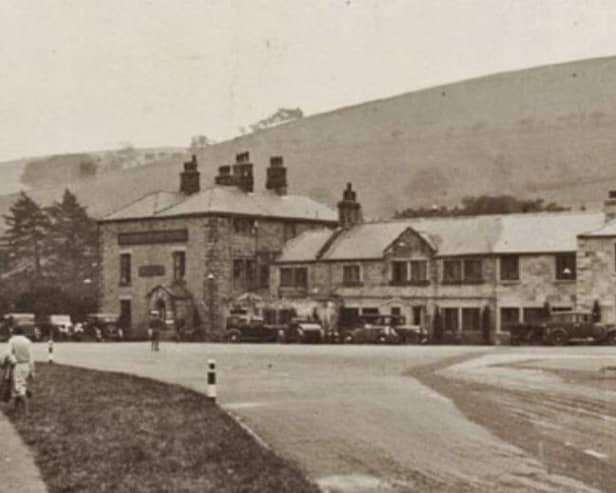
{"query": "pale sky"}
(81, 75)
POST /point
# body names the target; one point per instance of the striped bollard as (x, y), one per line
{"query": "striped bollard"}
(211, 379)
(50, 351)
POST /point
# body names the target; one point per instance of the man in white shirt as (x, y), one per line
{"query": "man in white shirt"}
(20, 351)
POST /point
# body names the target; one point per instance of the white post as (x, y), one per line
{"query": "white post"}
(211, 379)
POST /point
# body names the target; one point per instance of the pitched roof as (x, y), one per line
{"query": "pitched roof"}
(468, 235)
(608, 229)
(226, 200)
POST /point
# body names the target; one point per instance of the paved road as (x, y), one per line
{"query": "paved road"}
(347, 414)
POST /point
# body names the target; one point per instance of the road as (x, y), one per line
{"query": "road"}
(357, 419)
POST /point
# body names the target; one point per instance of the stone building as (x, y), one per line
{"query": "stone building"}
(467, 276)
(189, 254)
(596, 258)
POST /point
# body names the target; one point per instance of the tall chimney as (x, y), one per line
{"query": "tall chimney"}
(276, 176)
(224, 176)
(609, 206)
(190, 177)
(242, 172)
(349, 210)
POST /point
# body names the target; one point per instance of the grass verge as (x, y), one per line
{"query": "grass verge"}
(97, 432)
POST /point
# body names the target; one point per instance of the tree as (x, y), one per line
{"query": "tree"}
(484, 204)
(27, 234)
(73, 238)
(282, 115)
(198, 142)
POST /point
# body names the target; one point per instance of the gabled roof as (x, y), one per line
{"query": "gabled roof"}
(225, 200)
(606, 230)
(468, 235)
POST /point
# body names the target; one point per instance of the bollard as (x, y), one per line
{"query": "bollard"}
(211, 379)
(50, 351)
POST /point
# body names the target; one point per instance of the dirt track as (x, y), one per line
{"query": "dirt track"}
(358, 419)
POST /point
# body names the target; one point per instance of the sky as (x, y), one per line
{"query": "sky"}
(78, 75)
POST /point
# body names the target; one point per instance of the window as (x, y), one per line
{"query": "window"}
(419, 271)
(417, 311)
(179, 266)
(471, 319)
(125, 314)
(125, 269)
(565, 266)
(250, 270)
(450, 319)
(238, 268)
(265, 275)
(533, 314)
(395, 311)
(351, 275)
(458, 271)
(510, 268)
(472, 270)
(509, 316)
(286, 277)
(293, 277)
(213, 226)
(452, 271)
(399, 272)
(243, 225)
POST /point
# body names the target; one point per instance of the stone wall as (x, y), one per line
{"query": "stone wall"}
(597, 276)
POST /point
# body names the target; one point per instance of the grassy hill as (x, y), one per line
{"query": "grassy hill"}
(547, 131)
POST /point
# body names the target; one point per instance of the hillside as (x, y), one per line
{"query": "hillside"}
(547, 131)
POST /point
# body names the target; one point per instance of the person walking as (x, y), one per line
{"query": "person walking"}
(156, 326)
(20, 351)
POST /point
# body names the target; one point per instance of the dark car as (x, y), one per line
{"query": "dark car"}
(27, 321)
(373, 331)
(561, 328)
(103, 326)
(408, 333)
(302, 330)
(246, 328)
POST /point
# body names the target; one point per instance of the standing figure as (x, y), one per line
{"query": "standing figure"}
(20, 350)
(156, 325)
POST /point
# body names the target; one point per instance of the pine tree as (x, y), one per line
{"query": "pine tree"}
(27, 235)
(73, 237)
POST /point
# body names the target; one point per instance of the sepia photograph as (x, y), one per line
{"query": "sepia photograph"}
(289, 246)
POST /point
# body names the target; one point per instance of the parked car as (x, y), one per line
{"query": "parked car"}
(373, 331)
(246, 328)
(561, 328)
(62, 325)
(103, 326)
(302, 330)
(27, 321)
(409, 333)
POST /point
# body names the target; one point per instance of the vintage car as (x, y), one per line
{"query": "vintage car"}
(386, 329)
(374, 330)
(103, 326)
(302, 330)
(27, 321)
(247, 328)
(61, 325)
(561, 328)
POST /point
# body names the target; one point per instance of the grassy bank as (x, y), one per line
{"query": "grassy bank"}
(105, 432)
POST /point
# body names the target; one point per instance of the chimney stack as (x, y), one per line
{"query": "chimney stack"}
(242, 172)
(609, 206)
(190, 177)
(224, 176)
(349, 210)
(276, 176)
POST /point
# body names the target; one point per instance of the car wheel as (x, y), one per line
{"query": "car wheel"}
(382, 340)
(234, 337)
(558, 338)
(348, 339)
(611, 338)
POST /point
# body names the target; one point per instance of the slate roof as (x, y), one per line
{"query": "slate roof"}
(470, 235)
(226, 200)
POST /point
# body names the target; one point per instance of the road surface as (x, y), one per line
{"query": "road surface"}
(357, 419)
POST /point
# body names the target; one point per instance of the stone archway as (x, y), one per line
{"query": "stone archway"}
(174, 304)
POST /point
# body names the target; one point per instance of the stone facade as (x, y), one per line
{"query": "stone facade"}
(597, 275)
(477, 303)
(214, 245)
